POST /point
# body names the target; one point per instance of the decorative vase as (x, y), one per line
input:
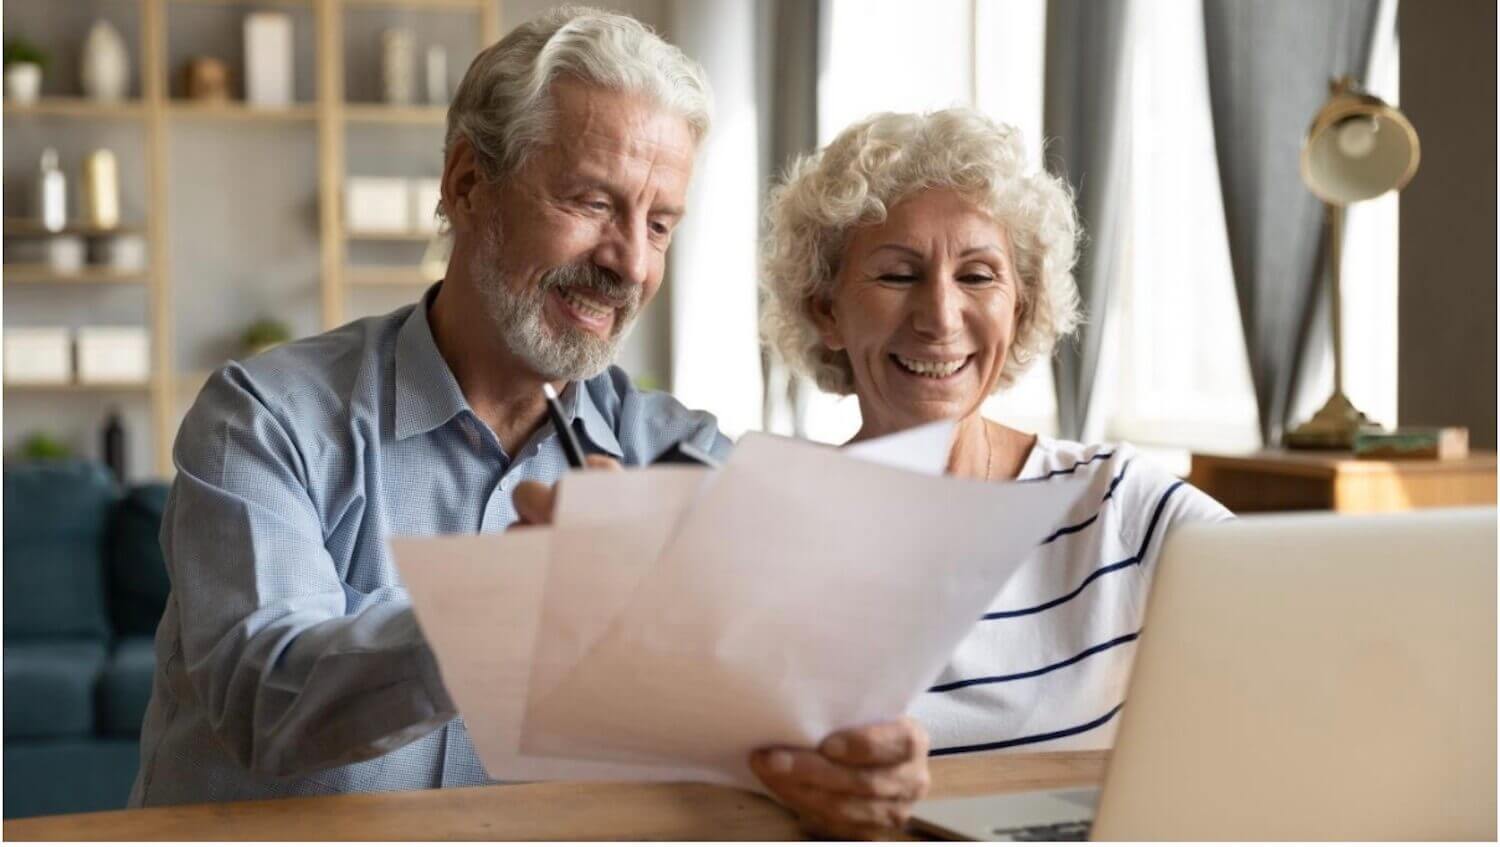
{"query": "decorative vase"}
(23, 82)
(105, 68)
(101, 190)
(398, 65)
(206, 79)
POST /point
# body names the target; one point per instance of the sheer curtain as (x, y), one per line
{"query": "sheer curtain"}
(716, 362)
(1180, 376)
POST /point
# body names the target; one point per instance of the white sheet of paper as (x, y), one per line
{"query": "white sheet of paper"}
(478, 600)
(802, 593)
(609, 529)
(922, 449)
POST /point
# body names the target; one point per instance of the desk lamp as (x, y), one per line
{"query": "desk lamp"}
(1358, 148)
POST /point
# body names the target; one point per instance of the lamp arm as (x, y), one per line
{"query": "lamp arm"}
(1335, 298)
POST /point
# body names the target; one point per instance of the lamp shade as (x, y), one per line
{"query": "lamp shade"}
(1358, 147)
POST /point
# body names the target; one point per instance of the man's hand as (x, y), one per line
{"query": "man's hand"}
(859, 783)
(534, 500)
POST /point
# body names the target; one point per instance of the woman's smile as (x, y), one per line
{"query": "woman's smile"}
(930, 368)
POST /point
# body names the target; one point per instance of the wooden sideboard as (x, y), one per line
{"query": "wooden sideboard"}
(1290, 480)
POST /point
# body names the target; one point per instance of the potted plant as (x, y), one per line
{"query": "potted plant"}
(42, 447)
(263, 335)
(24, 62)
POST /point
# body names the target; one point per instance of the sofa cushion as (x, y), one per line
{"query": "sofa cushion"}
(138, 583)
(56, 514)
(125, 687)
(49, 687)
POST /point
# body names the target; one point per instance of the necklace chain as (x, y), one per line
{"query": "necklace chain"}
(989, 451)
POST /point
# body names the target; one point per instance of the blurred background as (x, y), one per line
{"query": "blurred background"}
(234, 227)
(188, 181)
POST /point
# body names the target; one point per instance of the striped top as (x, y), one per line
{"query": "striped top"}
(1046, 668)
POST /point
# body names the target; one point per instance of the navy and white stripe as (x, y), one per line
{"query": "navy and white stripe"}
(1046, 668)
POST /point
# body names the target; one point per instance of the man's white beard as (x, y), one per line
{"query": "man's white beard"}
(566, 353)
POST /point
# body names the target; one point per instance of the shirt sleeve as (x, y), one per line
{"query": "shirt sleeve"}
(290, 681)
(1159, 502)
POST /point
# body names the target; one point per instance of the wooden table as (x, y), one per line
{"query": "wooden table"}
(533, 812)
(1289, 480)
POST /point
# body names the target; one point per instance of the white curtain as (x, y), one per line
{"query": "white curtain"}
(711, 274)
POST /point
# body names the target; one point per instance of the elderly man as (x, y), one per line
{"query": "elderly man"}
(289, 661)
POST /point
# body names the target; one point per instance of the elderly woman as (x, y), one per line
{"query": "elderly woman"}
(918, 263)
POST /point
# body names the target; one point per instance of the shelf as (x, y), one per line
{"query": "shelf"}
(300, 3)
(419, 4)
(77, 387)
(14, 274)
(379, 113)
(389, 276)
(391, 235)
(32, 228)
(239, 111)
(77, 107)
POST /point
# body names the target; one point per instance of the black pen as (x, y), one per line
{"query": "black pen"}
(570, 445)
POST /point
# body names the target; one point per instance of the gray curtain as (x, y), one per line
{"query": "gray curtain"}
(1083, 120)
(789, 53)
(1269, 63)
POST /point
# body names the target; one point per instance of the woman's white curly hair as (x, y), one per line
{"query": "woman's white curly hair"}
(873, 165)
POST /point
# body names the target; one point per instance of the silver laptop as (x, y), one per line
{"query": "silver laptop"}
(1306, 677)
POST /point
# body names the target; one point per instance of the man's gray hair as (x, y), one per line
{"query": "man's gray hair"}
(504, 104)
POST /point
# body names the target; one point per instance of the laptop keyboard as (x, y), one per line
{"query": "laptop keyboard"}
(1072, 831)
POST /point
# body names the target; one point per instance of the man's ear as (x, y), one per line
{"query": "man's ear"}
(820, 309)
(461, 181)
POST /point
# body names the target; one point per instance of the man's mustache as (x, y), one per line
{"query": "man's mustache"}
(603, 283)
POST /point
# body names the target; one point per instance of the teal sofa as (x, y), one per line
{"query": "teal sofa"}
(85, 585)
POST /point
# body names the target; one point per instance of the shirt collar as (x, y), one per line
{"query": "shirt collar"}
(579, 406)
(427, 394)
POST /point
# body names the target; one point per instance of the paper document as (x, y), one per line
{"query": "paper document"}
(675, 619)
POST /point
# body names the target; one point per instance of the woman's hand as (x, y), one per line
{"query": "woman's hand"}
(534, 500)
(859, 783)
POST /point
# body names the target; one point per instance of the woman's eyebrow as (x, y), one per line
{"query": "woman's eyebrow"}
(902, 248)
(980, 248)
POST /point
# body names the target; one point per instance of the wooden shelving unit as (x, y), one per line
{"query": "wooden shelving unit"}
(373, 113)
(77, 387)
(335, 116)
(27, 227)
(77, 107)
(233, 111)
(157, 111)
(42, 274)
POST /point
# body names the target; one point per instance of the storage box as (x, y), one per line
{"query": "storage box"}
(65, 253)
(37, 355)
(124, 253)
(425, 194)
(377, 204)
(110, 354)
(268, 59)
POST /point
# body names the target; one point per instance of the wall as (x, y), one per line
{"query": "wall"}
(1447, 299)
